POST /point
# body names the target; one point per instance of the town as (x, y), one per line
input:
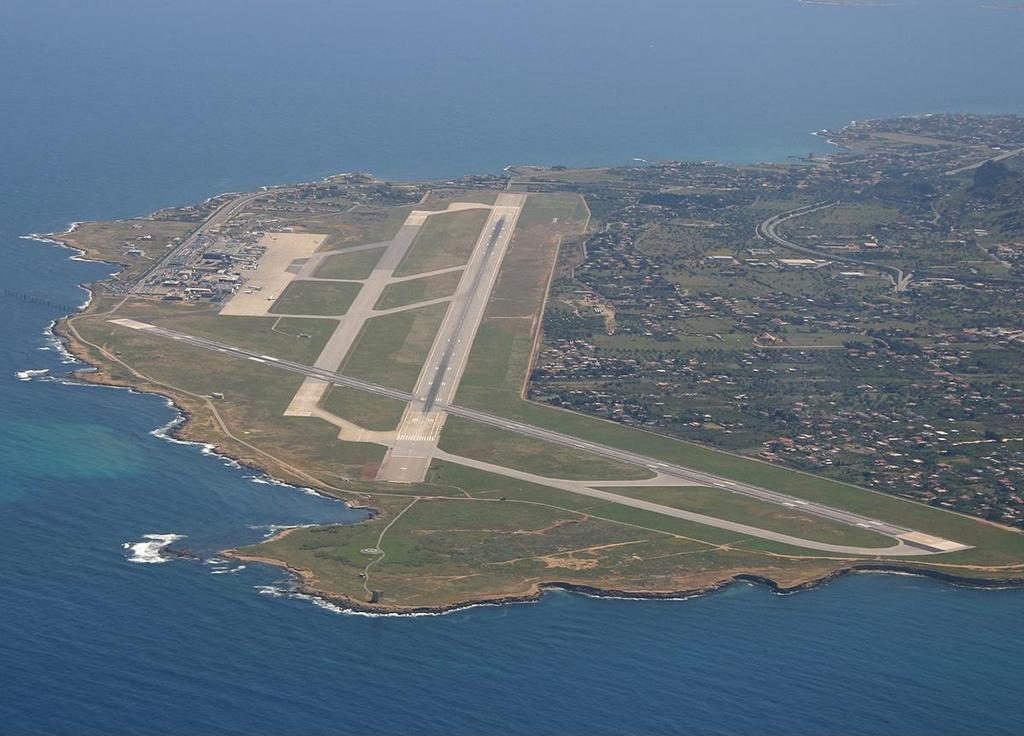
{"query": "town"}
(676, 316)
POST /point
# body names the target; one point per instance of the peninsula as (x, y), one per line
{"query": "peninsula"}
(646, 380)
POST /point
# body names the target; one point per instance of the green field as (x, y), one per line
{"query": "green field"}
(722, 504)
(357, 265)
(289, 338)
(444, 241)
(445, 551)
(440, 198)
(511, 450)
(107, 241)
(254, 399)
(553, 209)
(329, 298)
(418, 290)
(362, 225)
(391, 349)
(366, 410)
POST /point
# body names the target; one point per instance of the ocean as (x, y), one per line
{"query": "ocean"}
(116, 108)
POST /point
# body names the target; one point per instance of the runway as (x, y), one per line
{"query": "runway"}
(408, 459)
(921, 543)
(340, 344)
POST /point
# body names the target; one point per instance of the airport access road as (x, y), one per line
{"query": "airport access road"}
(927, 546)
(188, 248)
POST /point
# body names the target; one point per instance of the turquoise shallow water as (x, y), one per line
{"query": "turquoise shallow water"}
(117, 108)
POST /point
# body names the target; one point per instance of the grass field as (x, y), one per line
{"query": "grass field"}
(107, 241)
(358, 265)
(444, 551)
(444, 241)
(255, 397)
(745, 510)
(480, 484)
(418, 290)
(440, 198)
(366, 410)
(362, 225)
(316, 297)
(479, 442)
(289, 338)
(391, 349)
(553, 209)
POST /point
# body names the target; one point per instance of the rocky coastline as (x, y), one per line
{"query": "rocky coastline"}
(304, 585)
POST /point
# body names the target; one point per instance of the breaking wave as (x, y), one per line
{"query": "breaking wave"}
(30, 374)
(149, 549)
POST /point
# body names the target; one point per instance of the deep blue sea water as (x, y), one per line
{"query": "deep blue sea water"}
(117, 108)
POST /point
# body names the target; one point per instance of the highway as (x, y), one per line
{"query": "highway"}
(658, 466)
(768, 230)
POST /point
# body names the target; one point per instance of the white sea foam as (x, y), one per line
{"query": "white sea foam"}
(272, 530)
(42, 238)
(55, 343)
(599, 596)
(278, 592)
(266, 480)
(900, 573)
(166, 433)
(30, 374)
(335, 608)
(211, 451)
(88, 299)
(272, 591)
(77, 253)
(149, 549)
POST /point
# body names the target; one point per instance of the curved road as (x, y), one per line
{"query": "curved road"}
(768, 230)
